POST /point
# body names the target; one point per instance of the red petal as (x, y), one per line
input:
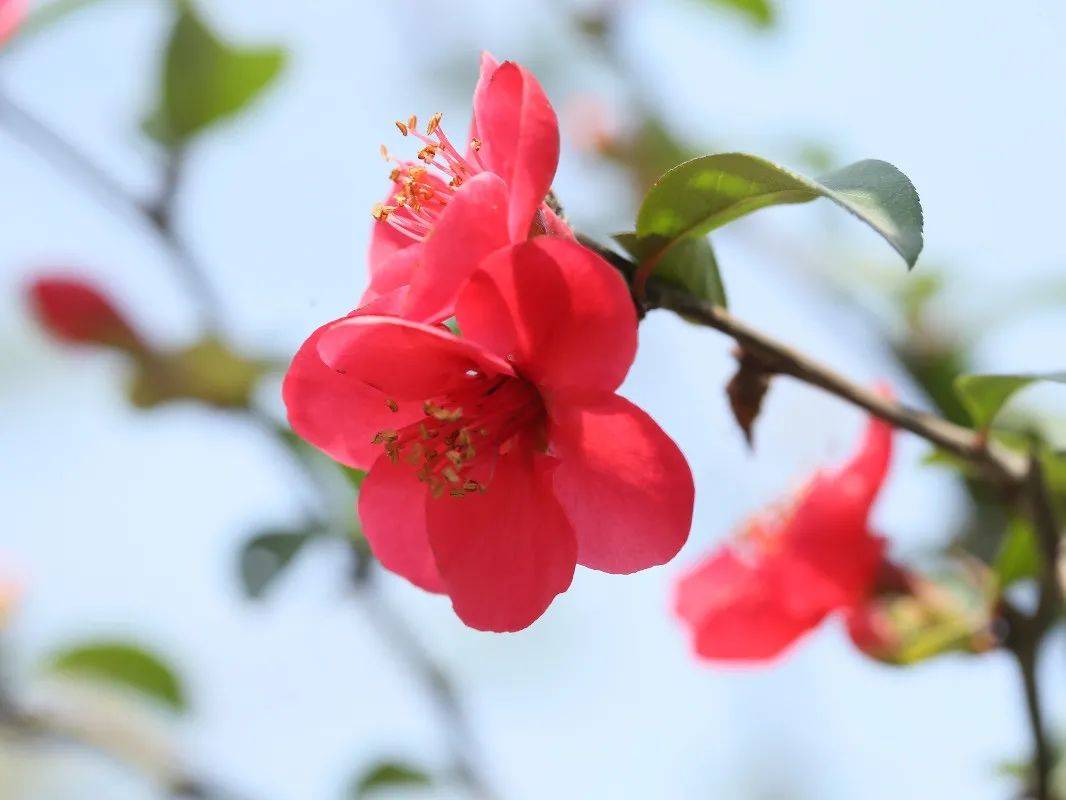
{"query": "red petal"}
(559, 310)
(734, 610)
(392, 273)
(829, 528)
(504, 554)
(488, 67)
(473, 224)
(623, 482)
(332, 411)
(519, 136)
(392, 510)
(407, 361)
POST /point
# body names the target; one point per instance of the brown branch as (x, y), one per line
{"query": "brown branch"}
(998, 463)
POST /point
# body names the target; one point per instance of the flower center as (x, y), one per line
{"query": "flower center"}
(425, 185)
(453, 447)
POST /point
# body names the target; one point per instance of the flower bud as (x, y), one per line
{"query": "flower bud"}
(74, 311)
(910, 617)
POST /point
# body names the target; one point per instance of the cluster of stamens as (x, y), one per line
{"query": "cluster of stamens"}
(460, 430)
(425, 185)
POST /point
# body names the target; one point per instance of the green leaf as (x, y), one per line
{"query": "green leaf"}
(690, 265)
(985, 395)
(121, 664)
(388, 775)
(705, 193)
(1019, 555)
(758, 12)
(263, 558)
(206, 79)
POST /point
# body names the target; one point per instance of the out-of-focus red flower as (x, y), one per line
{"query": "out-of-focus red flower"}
(12, 12)
(791, 566)
(500, 459)
(454, 205)
(75, 311)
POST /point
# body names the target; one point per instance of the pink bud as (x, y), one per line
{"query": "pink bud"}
(76, 312)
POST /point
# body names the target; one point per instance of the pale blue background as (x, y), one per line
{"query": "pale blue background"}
(126, 523)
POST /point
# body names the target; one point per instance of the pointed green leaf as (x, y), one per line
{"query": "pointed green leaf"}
(758, 12)
(388, 775)
(705, 193)
(690, 265)
(121, 664)
(984, 396)
(1019, 555)
(264, 557)
(206, 79)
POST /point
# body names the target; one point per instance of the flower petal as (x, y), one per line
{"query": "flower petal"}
(405, 361)
(392, 273)
(392, 510)
(519, 136)
(473, 224)
(829, 528)
(488, 67)
(625, 485)
(558, 309)
(506, 553)
(734, 612)
(332, 411)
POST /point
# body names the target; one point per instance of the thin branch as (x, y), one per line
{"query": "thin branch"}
(1000, 464)
(67, 158)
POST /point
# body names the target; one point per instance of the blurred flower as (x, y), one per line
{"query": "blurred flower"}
(500, 460)
(592, 123)
(910, 617)
(12, 12)
(447, 210)
(791, 566)
(75, 311)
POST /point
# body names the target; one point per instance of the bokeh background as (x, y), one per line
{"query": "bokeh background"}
(127, 523)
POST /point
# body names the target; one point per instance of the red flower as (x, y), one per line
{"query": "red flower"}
(12, 12)
(449, 209)
(74, 311)
(791, 567)
(500, 460)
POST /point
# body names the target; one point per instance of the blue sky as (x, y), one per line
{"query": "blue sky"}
(126, 523)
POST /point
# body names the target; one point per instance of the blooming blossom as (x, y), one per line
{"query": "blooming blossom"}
(453, 205)
(75, 311)
(12, 12)
(502, 458)
(791, 566)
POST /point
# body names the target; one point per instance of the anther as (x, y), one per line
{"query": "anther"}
(402, 127)
(434, 123)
